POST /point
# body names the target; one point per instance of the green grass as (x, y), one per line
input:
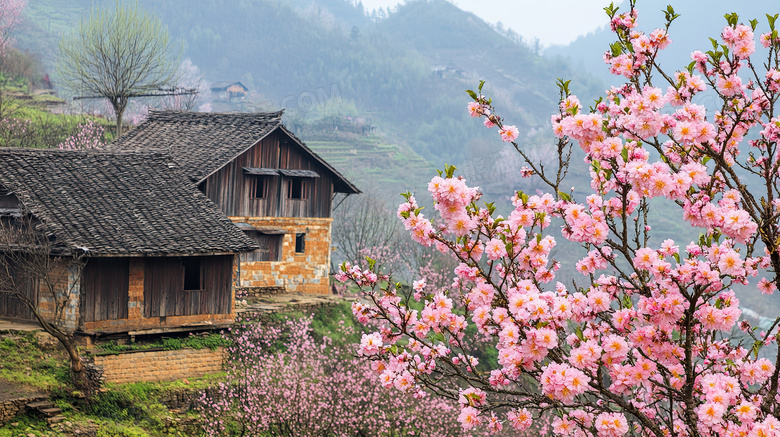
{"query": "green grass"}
(211, 341)
(25, 425)
(25, 362)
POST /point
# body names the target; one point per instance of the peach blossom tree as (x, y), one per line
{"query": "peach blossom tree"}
(641, 345)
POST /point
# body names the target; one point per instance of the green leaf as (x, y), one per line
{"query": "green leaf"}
(611, 10)
(627, 303)
(616, 49)
(481, 84)
(732, 19)
(563, 86)
(676, 257)
(472, 94)
(450, 170)
(523, 197)
(753, 24)
(714, 43)
(371, 263)
(757, 347)
(564, 196)
(771, 19)
(624, 154)
(705, 160)
(579, 334)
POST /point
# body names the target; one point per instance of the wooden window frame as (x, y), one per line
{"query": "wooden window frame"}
(258, 185)
(189, 265)
(256, 236)
(303, 190)
(300, 242)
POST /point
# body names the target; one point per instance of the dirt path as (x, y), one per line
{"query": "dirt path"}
(11, 390)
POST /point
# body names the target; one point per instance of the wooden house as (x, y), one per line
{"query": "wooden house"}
(267, 181)
(229, 90)
(158, 253)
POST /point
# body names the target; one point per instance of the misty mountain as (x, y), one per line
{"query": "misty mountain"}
(699, 20)
(403, 73)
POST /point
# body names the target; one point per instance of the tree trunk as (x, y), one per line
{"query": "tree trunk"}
(77, 370)
(119, 123)
(119, 104)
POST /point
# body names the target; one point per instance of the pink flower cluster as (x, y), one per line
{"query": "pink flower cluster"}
(644, 343)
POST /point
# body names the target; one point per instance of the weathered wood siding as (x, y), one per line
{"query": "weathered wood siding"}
(230, 188)
(270, 247)
(164, 293)
(105, 283)
(14, 308)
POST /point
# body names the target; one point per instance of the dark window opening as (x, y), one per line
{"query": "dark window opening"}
(258, 187)
(202, 188)
(192, 277)
(7, 199)
(297, 188)
(300, 243)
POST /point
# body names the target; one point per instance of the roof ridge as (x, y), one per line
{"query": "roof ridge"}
(178, 115)
(87, 152)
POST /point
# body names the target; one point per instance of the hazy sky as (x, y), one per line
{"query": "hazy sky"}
(533, 18)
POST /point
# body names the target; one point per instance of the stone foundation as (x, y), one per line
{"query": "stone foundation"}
(159, 365)
(13, 407)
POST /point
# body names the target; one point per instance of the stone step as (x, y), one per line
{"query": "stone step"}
(40, 404)
(50, 411)
(55, 419)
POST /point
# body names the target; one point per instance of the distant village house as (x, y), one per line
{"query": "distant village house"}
(229, 91)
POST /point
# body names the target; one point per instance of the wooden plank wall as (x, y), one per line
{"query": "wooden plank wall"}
(105, 284)
(164, 293)
(270, 247)
(230, 188)
(14, 308)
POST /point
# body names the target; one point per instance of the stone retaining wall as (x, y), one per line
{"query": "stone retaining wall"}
(11, 408)
(138, 366)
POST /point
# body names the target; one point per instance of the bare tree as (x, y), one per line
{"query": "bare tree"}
(31, 262)
(363, 223)
(117, 55)
(190, 88)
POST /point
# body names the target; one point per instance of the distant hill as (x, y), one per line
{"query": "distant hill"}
(405, 74)
(699, 20)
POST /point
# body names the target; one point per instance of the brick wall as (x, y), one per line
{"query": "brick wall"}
(68, 284)
(297, 272)
(159, 365)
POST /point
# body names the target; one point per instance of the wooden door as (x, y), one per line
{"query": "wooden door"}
(105, 289)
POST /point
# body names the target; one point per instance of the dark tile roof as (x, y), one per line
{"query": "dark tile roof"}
(118, 203)
(202, 143)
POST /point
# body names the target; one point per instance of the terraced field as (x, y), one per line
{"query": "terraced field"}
(372, 164)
